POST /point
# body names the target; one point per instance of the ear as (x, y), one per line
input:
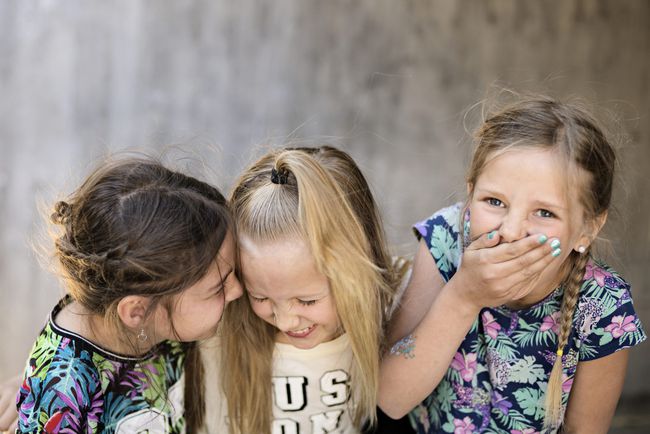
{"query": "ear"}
(132, 310)
(470, 189)
(591, 231)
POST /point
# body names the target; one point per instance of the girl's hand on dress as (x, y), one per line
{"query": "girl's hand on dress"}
(492, 274)
(8, 413)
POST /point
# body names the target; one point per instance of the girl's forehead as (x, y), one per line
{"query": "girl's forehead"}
(543, 171)
(285, 266)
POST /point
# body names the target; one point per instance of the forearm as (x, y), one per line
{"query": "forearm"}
(408, 375)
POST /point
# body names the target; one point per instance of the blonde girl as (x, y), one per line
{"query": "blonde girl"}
(548, 349)
(301, 352)
(147, 257)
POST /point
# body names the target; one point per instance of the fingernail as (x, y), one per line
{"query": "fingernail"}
(491, 235)
(555, 253)
(542, 239)
(555, 243)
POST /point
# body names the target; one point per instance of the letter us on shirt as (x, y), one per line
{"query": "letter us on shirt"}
(312, 408)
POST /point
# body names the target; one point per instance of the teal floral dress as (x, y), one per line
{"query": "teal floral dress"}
(73, 386)
(497, 380)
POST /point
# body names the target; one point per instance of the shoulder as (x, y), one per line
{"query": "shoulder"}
(59, 383)
(605, 319)
(448, 218)
(442, 235)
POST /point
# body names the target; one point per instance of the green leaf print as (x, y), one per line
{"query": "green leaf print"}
(445, 396)
(505, 347)
(513, 420)
(529, 334)
(43, 352)
(442, 244)
(526, 371)
(605, 339)
(531, 400)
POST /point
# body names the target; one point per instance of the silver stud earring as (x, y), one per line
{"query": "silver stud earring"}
(142, 336)
(581, 249)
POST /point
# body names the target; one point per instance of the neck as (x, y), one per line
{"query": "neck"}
(94, 328)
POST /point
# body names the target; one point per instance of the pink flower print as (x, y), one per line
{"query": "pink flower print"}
(620, 325)
(491, 326)
(595, 272)
(525, 431)
(465, 364)
(567, 382)
(464, 426)
(550, 322)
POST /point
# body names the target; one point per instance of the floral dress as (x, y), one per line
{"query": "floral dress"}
(497, 379)
(73, 386)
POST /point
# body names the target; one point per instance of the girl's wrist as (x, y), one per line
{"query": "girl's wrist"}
(459, 299)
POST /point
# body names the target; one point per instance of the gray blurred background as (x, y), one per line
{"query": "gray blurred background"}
(390, 81)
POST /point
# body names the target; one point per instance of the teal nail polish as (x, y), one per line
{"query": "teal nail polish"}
(555, 244)
(491, 235)
(555, 253)
(542, 239)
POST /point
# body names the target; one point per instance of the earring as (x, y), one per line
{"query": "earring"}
(142, 336)
(581, 249)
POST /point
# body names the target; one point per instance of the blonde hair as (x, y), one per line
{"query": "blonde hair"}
(325, 201)
(542, 122)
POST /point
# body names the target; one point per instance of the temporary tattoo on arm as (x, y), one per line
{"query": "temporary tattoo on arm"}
(404, 347)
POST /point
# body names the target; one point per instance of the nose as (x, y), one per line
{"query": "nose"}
(285, 320)
(233, 291)
(514, 226)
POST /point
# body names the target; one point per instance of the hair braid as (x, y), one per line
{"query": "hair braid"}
(572, 285)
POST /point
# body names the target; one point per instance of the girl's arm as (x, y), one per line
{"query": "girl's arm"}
(8, 414)
(488, 276)
(596, 388)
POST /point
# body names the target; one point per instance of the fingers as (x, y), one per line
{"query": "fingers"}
(490, 239)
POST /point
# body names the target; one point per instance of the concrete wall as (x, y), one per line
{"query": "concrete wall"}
(390, 81)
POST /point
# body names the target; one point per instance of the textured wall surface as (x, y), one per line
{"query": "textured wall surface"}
(390, 81)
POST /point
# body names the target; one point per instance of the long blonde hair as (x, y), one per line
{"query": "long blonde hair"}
(542, 122)
(325, 200)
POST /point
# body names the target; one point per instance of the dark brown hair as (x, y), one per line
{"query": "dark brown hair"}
(135, 227)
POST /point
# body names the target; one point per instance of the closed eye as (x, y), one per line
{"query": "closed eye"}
(307, 302)
(258, 299)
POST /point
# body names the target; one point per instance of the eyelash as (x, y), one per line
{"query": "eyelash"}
(492, 201)
(542, 211)
(302, 302)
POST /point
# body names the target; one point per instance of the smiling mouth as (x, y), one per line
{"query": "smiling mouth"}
(303, 333)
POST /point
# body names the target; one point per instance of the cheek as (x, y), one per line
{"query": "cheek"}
(482, 222)
(262, 310)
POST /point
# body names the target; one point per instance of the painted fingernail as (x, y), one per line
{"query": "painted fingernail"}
(555, 253)
(491, 235)
(542, 239)
(555, 243)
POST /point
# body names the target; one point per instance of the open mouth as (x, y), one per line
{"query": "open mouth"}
(303, 333)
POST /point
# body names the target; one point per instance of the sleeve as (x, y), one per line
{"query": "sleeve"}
(441, 234)
(607, 321)
(67, 398)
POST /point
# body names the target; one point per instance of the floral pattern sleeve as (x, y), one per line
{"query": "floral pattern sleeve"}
(606, 320)
(441, 235)
(65, 399)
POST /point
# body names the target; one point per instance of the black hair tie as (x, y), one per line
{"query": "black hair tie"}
(279, 177)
